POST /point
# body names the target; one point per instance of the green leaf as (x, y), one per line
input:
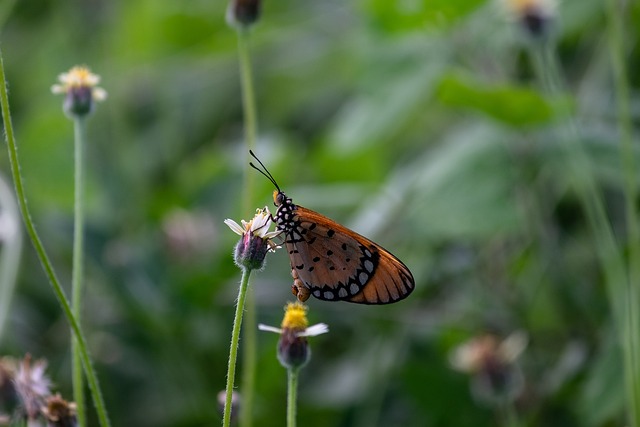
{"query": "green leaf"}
(407, 15)
(465, 188)
(510, 104)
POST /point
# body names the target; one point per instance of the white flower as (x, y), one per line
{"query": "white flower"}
(256, 240)
(258, 226)
(78, 77)
(79, 86)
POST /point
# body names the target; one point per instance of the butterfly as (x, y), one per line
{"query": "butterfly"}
(332, 262)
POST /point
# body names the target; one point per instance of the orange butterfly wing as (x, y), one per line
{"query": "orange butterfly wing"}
(338, 264)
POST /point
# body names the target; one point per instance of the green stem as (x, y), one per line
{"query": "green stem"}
(627, 156)
(42, 255)
(510, 414)
(623, 296)
(249, 111)
(77, 276)
(233, 349)
(292, 396)
(11, 250)
(249, 361)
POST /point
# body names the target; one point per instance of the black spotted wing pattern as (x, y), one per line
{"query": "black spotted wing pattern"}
(338, 264)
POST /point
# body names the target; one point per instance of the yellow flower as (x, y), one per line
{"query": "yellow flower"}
(295, 317)
(81, 89)
(293, 348)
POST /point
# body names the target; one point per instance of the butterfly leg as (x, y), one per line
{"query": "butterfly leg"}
(298, 288)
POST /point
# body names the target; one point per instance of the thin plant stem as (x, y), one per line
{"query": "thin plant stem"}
(586, 186)
(92, 378)
(623, 295)
(509, 414)
(233, 349)
(625, 128)
(292, 396)
(250, 128)
(249, 111)
(249, 359)
(11, 250)
(77, 269)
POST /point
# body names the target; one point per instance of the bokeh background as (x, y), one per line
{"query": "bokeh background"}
(419, 123)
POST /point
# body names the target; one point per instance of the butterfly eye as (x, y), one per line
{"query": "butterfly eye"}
(278, 197)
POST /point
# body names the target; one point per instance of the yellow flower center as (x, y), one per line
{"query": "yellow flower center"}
(295, 317)
(78, 77)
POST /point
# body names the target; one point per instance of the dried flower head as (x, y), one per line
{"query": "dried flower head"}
(492, 363)
(81, 89)
(59, 413)
(32, 385)
(243, 13)
(293, 348)
(256, 239)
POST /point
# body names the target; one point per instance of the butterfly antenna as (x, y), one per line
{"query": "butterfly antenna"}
(264, 171)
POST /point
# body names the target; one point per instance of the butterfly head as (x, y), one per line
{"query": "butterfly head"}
(279, 198)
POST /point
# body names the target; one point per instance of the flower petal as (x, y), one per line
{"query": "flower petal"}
(268, 328)
(234, 226)
(312, 331)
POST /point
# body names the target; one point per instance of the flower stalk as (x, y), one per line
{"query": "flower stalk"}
(77, 268)
(233, 349)
(47, 266)
(249, 255)
(241, 14)
(79, 85)
(249, 361)
(292, 396)
(293, 349)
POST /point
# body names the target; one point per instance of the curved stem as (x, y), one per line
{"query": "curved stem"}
(292, 396)
(77, 269)
(92, 379)
(233, 349)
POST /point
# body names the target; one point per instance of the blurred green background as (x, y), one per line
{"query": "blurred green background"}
(418, 123)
